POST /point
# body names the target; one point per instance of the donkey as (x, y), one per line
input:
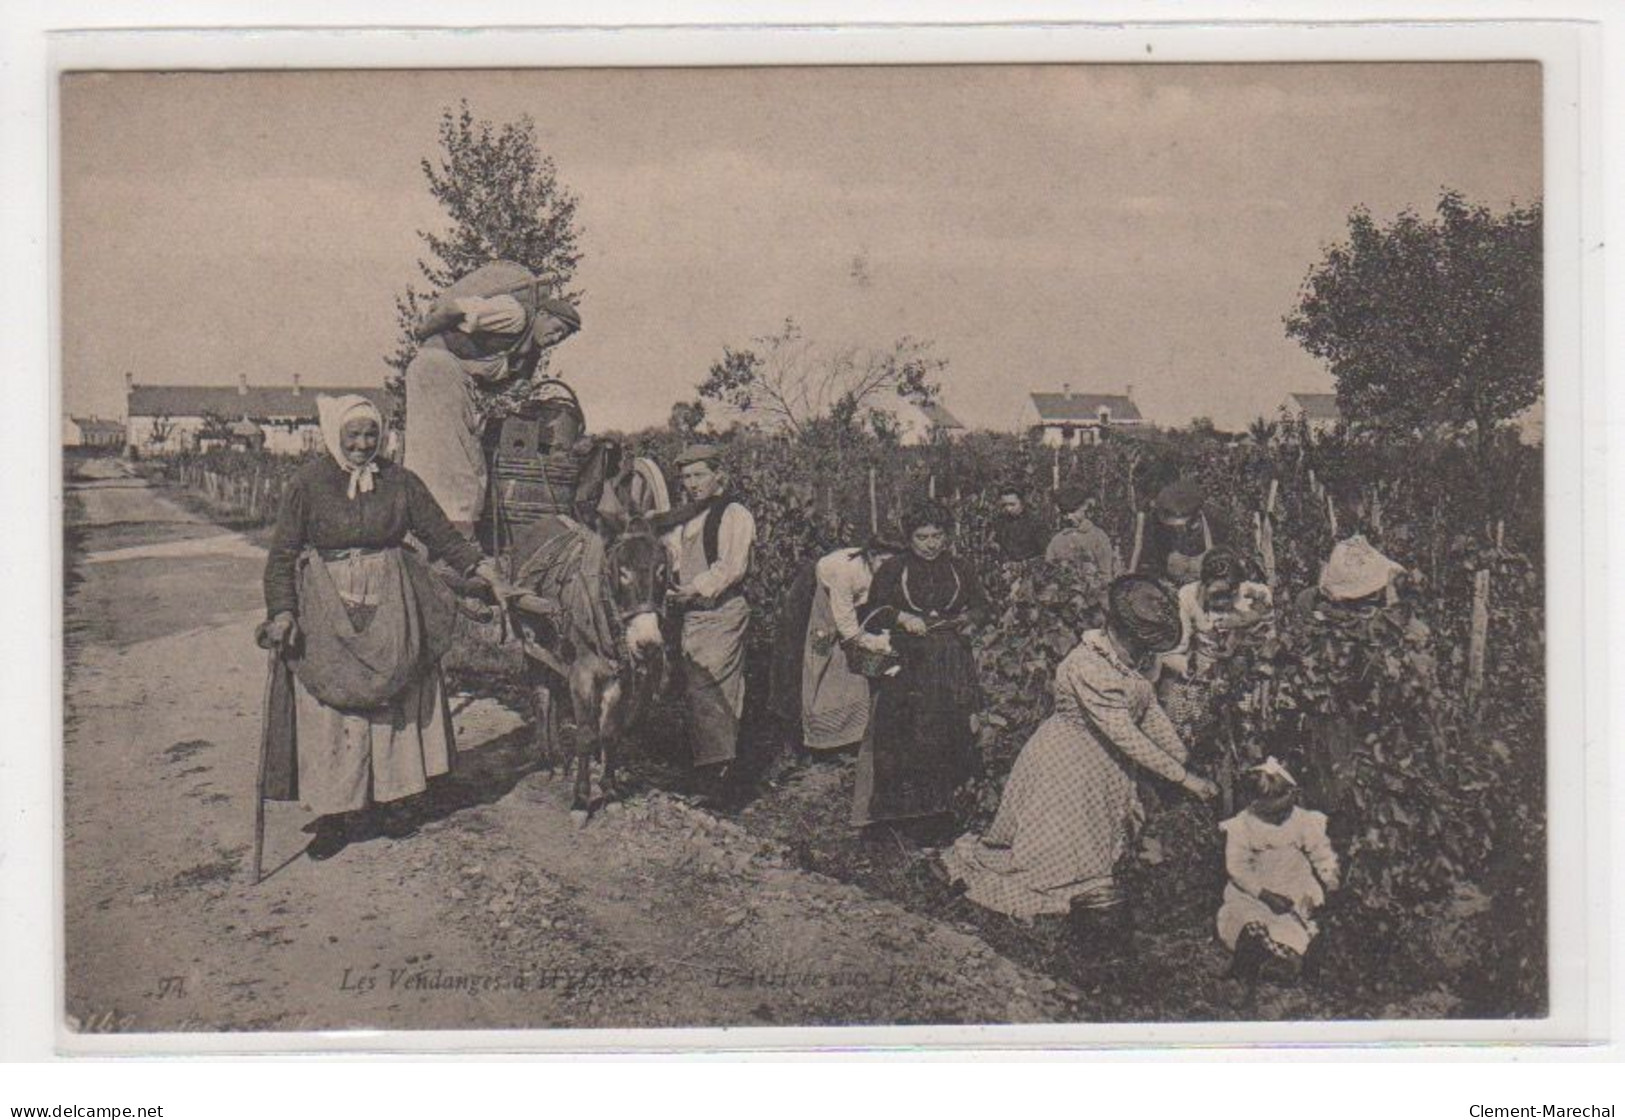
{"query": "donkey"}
(592, 623)
(567, 521)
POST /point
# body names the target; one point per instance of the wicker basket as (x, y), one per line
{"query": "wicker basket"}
(871, 663)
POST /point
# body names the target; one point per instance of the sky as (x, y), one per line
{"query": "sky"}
(1093, 225)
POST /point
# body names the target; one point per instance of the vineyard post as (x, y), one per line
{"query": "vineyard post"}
(1433, 551)
(1264, 532)
(1480, 636)
(874, 507)
(931, 486)
(1139, 540)
(1055, 470)
(1226, 779)
(1331, 516)
(1376, 511)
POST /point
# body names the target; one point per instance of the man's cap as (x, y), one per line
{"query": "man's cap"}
(699, 453)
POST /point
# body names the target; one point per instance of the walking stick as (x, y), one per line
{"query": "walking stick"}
(273, 656)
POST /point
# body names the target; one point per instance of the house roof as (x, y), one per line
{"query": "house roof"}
(1062, 407)
(89, 424)
(1317, 406)
(230, 401)
(939, 416)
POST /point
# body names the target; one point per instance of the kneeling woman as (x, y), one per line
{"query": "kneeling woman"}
(359, 623)
(1071, 807)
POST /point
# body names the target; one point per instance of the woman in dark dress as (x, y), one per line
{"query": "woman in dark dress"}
(358, 620)
(920, 747)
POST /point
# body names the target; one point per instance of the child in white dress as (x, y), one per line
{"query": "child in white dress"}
(1281, 865)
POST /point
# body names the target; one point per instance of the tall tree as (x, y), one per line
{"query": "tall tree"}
(686, 417)
(1428, 323)
(503, 200)
(785, 382)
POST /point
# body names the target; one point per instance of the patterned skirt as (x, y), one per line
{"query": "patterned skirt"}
(1068, 814)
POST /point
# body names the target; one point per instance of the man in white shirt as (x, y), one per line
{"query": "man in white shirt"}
(710, 556)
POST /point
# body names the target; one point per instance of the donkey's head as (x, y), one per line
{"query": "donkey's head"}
(639, 574)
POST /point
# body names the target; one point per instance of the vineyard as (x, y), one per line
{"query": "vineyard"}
(1427, 718)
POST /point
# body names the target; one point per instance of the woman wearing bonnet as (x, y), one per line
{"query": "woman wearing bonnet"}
(1356, 611)
(362, 623)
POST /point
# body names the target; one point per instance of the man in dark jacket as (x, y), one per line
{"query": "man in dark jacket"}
(1172, 541)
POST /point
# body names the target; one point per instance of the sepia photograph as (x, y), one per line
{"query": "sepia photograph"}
(803, 546)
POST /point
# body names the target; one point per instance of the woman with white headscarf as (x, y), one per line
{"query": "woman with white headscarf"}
(359, 621)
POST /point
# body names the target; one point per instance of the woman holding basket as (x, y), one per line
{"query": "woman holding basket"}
(920, 747)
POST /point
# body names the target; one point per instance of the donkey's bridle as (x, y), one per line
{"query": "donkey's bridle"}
(643, 606)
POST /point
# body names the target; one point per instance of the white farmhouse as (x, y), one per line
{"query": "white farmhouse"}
(90, 431)
(921, 423)
(1318, 410)
(165, 419)
(1064, 418)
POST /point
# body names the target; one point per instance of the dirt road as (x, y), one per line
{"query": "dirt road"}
(500, 913)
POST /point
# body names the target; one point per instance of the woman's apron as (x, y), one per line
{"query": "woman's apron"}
(834, 699)
(364, 644)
